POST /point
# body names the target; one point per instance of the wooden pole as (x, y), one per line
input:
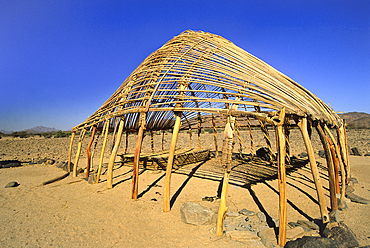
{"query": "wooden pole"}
(343, 151)
(78, 152)
(329, 161)
(70, 151)
(226, 162)
(215, 134)
(302, 124)
(341, 163)
(135, 172)
(333, 150)
(106, 130)
(347, 151)
(281, 144)
(114, 154)
(88, 152)
(166, 194)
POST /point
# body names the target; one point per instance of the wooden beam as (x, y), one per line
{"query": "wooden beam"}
(70, 152)
(78, 152)
(166, 194)
(302, 124)
(105, 130)
(135, 173)
(114, 154)
(88, 152)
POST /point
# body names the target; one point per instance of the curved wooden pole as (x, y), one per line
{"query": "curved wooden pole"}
(70, 152)
(343, 152)
(135, 173)
(88, 152)
(337, 160)
(114, 154)
(78, 152)
(347, 151)
(166, 194)
(329, 162)
(302, 124)
(106, 129)
(223, 208)
(281, 143)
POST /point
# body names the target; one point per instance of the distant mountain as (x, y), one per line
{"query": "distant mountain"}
(5, 132)
(356, 119)
(41, 129)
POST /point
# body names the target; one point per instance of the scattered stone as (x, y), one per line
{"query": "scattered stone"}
(349, 189)
(303, 155)
(268, 234)
(311, 242)
(232, 214)
(322, 154)
(193, 213)
(80, 170)
(91, 178)
(50, 161)
(12, 185)
(357, 199)
(10, 163)
(341, 234)
(355, 152)
(353, 180)
(334, 216)
(308, 224)
(261, 216)
(341, 204)
(209, 198)
(367, 154)
(242, 236)
(294, 232)
(246, 212)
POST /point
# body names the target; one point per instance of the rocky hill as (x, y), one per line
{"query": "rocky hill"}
(41, 129)
(356, 120)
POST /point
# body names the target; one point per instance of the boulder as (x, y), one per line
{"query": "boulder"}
(311, 242)
(263, 153)
(195, 214)
(341, 234)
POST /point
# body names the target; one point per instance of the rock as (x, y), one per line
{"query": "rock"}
(50, 161)
(92, 178)
(193, 213)
(341, 234)
(263, 153)
(349, 189)
(367, 154)
(342, 204)
(295, 232)
(334, 216)
(12, 185)
(268, 234)
(308, 224)
(231, 214)
(358, 199)
(242, 236)
(322, 154)
(65, 166)
(355, 151)
(303, 155)
(311, 242)
(10, 163)
(80, 170)
(246, 212)
(261, 216)
(353, 180)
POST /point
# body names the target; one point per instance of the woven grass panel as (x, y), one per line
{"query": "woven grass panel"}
(200, 73)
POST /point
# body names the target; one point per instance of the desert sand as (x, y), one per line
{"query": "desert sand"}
(73, 213)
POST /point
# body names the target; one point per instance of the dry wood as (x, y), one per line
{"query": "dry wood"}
(330, 164)
(302, 124)
(106, 130)
(88, 152)
(70, 151)
(135, 172)
(55, 179)
(82, 134)
(113, 155)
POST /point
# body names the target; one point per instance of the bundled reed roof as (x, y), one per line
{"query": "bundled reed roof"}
(198, 72)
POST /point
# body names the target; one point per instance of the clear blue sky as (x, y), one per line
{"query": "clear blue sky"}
(60, 60)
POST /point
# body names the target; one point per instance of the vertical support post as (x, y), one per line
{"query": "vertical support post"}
(78, 152)
(88, 152)
(331, 142)
(70, 151)
(135, 172)
(302, 124)
(114, 154)
(152, 140)
(215, 134)
(347, 151)
(227, 150)
(199, 129)
(329, 161)
(280, 143)
(162, 140)
(166, 194)
(287, 133)
(343, 151)
(106, 130)
(251, 136)
(126, 141)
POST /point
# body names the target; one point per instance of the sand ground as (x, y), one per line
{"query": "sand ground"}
(73, 213)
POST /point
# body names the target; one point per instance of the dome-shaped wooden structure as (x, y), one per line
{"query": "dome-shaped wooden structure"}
(198, 74)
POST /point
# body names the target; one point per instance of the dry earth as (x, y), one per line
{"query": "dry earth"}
(73, 213)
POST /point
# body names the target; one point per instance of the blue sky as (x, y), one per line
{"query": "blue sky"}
(60, 60)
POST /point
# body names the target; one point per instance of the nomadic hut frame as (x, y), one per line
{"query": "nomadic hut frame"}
(199, 75)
